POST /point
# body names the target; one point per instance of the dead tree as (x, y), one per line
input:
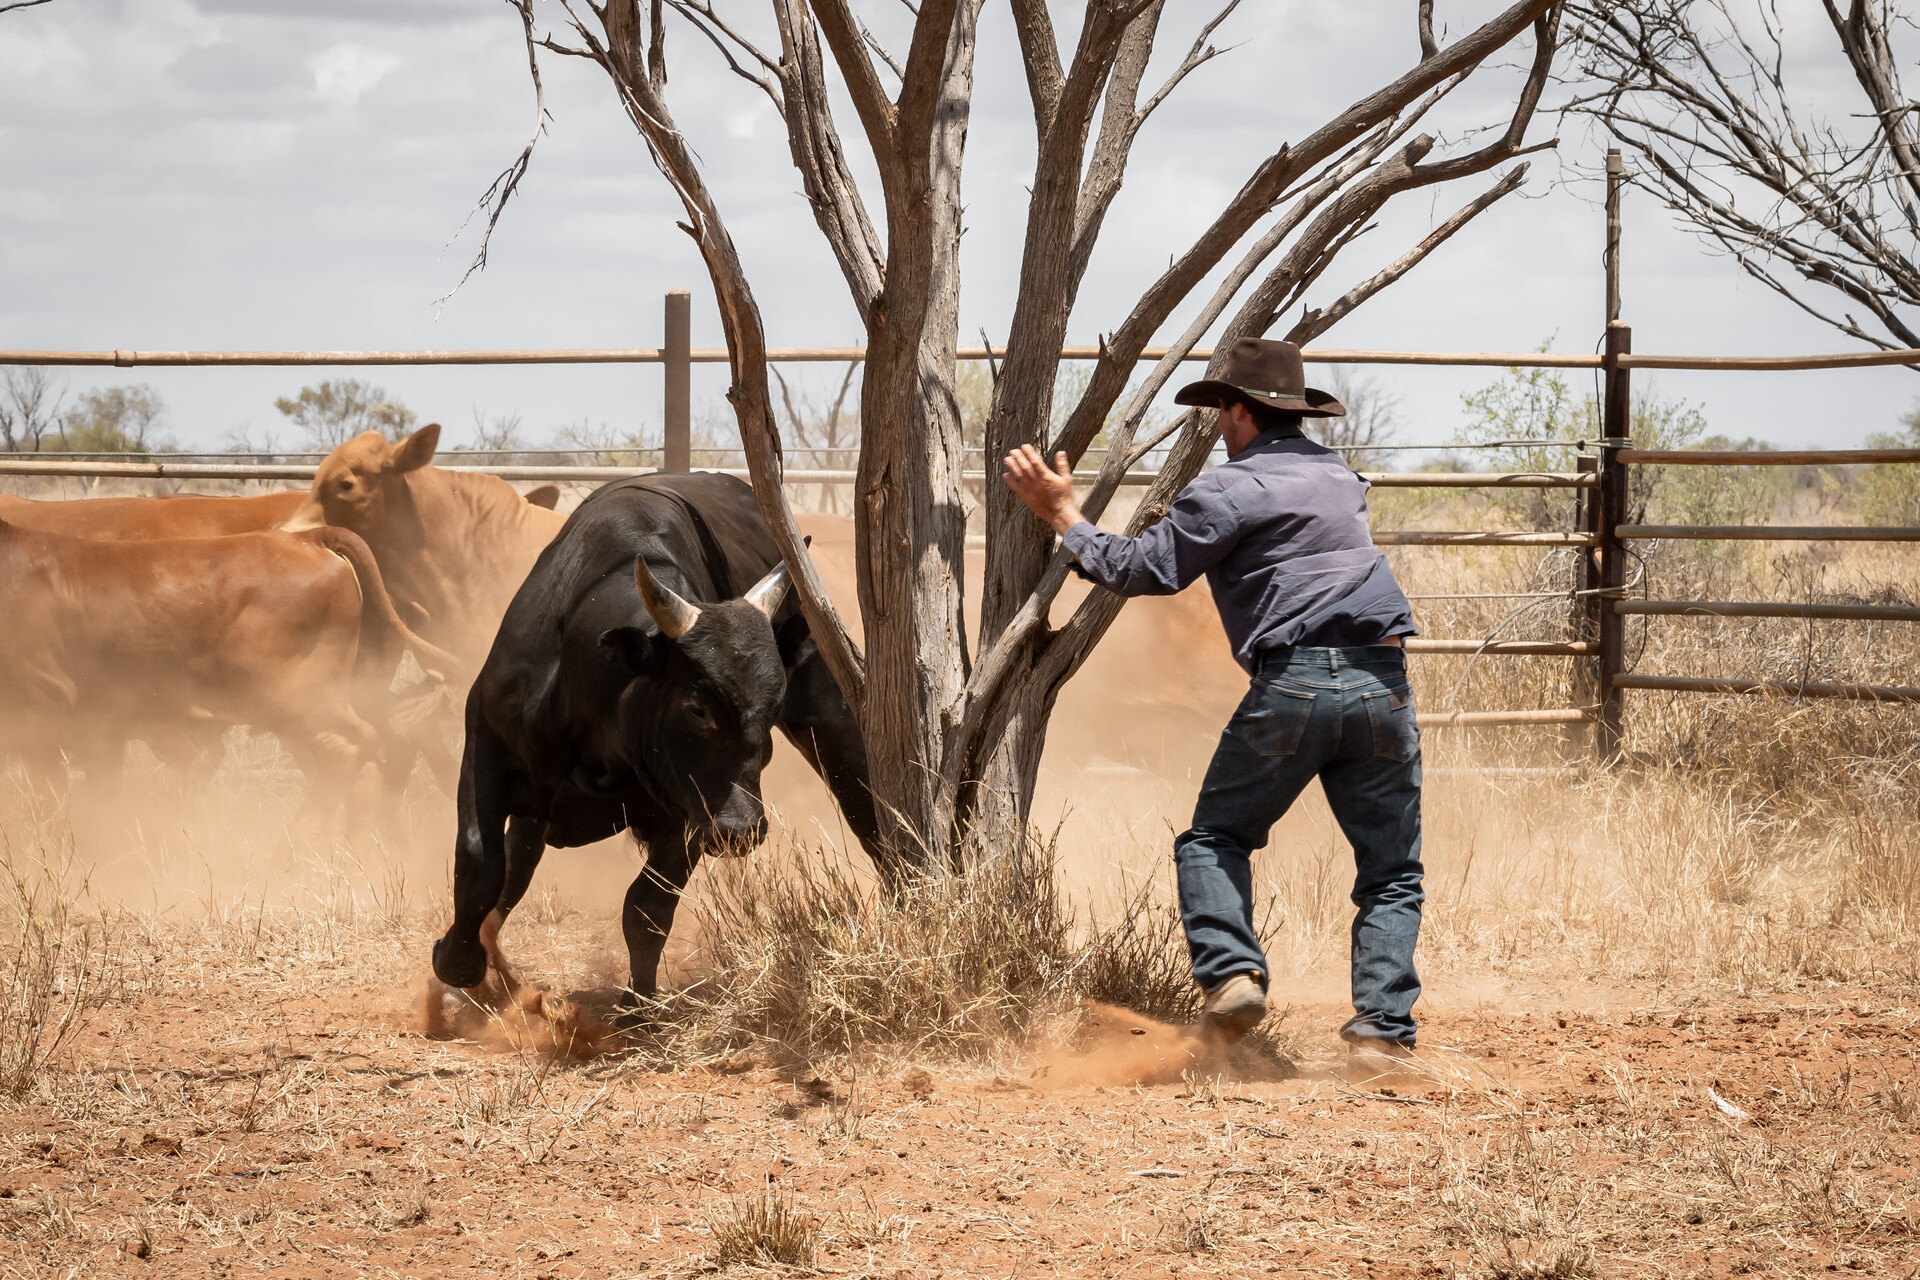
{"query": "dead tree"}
(955, 729)
(30, 404)
(1826, 214)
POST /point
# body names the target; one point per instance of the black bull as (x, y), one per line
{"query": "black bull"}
(598, 711)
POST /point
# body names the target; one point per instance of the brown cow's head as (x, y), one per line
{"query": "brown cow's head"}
(355, 485)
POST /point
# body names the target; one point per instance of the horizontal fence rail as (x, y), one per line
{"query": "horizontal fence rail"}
(1763, 457)
(1769, 532)
(1807, 689)
(1768, 609)
(128, 358)
(1471, 538)
(1481, 479)
(1555, 648)
(1476, 719)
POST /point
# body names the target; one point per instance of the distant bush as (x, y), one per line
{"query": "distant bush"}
(341, 408)
(114, 420)
(1890, 493)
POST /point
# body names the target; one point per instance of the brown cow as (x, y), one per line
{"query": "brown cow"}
(177, 516)
(454, 546)
(112, 640)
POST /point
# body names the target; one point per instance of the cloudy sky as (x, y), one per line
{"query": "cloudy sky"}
(292, 174)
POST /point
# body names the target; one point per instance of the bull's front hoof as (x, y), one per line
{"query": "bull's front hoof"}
(459, 964)
(634, 1018)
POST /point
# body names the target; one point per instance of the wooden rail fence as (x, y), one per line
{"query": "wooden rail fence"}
(1601, 534)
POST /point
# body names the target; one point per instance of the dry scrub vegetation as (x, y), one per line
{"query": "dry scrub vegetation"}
(1671, 1006)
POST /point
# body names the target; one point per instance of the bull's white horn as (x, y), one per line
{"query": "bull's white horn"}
(766, 594)
(674, 616)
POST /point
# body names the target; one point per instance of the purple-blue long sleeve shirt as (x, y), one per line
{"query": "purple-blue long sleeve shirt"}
(1281, 532)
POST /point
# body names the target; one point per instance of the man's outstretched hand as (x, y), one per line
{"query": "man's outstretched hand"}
(1048, 493)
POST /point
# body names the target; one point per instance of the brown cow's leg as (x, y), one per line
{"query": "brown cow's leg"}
(337, 757)
(648, 915)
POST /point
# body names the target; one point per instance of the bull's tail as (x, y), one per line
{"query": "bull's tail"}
(379, 620)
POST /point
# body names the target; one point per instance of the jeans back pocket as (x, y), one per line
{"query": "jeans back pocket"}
(1272, 718)
(1396, 732)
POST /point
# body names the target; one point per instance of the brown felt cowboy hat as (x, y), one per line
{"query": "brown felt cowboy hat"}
(1265, 373)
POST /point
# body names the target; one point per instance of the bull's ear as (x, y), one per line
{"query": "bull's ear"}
(416, 451)
(632, 646)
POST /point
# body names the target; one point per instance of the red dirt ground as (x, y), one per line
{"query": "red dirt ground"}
(253, 1107)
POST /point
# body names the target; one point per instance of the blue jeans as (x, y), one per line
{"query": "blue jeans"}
(1345, 715)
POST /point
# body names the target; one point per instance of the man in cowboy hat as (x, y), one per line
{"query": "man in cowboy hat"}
(1315, 616)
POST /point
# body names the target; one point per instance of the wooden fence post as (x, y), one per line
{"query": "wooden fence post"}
(1612, 512)
(1588, 607)
(1607, 505)
(677, 357)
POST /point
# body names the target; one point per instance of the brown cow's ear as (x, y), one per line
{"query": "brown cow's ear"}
(416, 451)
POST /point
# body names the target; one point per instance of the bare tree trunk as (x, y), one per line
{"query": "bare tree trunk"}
(909, 513)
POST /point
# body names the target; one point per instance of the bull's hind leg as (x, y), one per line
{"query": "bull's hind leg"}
(648, 915)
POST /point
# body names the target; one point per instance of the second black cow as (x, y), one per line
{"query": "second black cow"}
(635, 684)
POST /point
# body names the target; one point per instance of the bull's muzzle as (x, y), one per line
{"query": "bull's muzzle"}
(740, 826)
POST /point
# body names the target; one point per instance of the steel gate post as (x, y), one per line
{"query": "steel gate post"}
(676, 354)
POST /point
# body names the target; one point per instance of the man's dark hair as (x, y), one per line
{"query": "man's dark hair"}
(1267, 418)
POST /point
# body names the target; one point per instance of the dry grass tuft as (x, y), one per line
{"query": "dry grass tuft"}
(803, 957)
(761, 1229)
(57, 971)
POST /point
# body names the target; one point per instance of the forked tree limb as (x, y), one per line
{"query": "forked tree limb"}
(1062, 652)
(1316, 322)
(1263, 188)
(1198, 55)
(1696, 91)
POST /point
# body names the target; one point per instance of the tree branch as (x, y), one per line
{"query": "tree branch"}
(842, 32)
(1198, 54)
(493, 201)
(1705, 107)
(1316, 322)
(1060, 653)
(813, 142)
(703, 19)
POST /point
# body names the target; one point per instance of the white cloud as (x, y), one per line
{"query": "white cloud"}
(345, 71)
